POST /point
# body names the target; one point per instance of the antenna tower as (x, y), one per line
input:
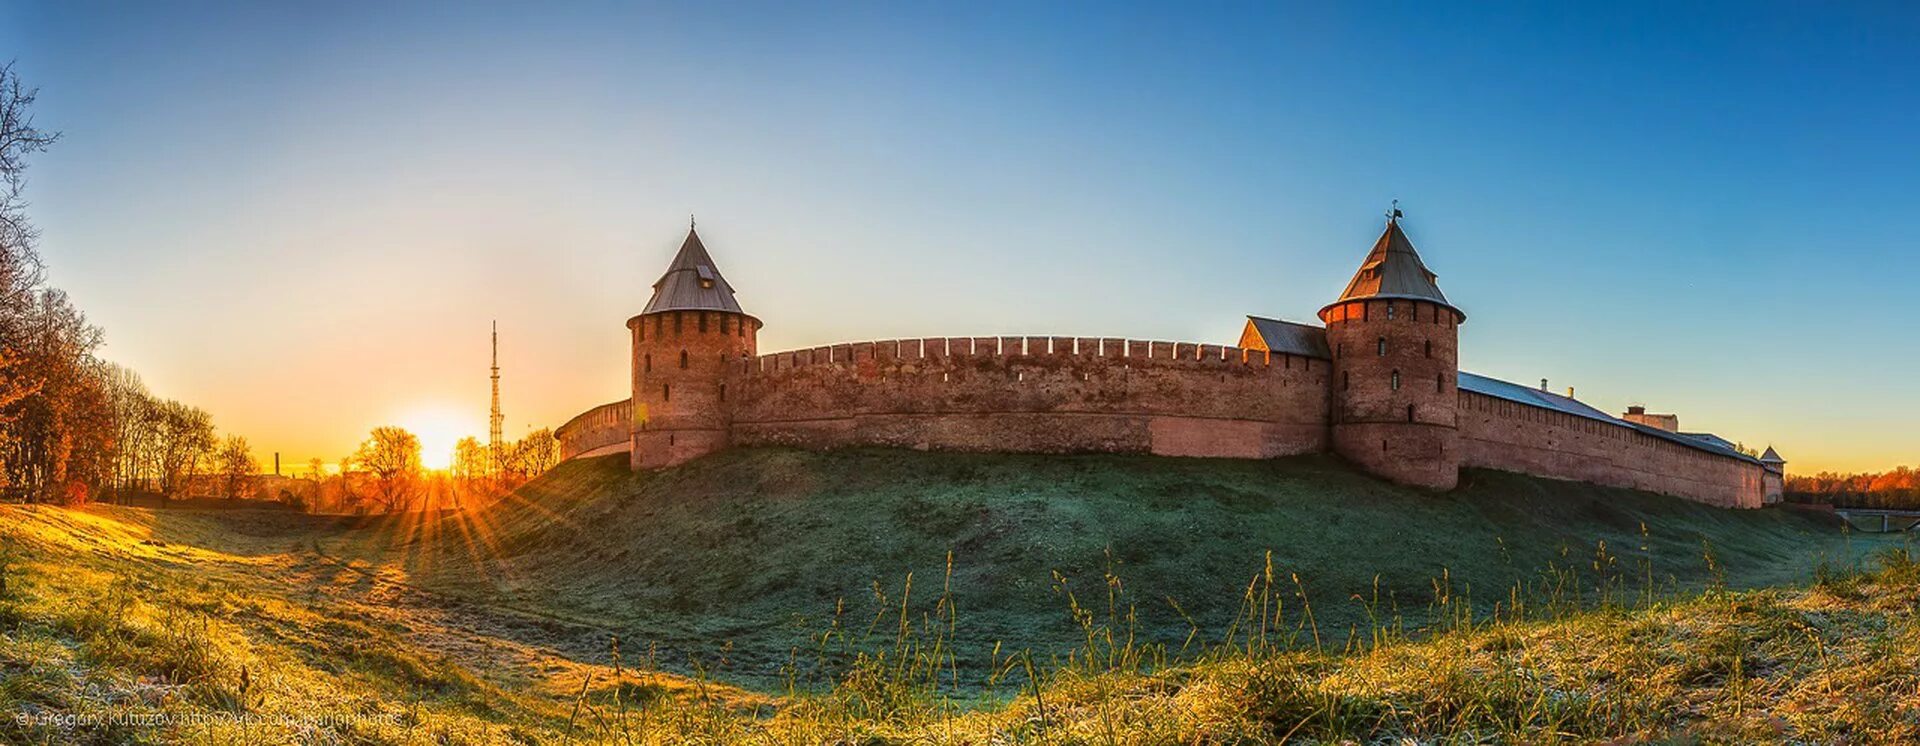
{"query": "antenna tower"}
(495, 418)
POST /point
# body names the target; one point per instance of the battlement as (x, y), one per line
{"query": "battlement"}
(1039, 351)
(602, 429)
(1035, 394)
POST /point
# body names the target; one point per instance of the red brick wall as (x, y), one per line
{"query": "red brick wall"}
(1500, 434)
(601, 430)
(681, 362)
(1062, 394)
(1404, 433)
(1036, 394)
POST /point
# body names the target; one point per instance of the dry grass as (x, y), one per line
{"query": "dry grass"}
(129, 626)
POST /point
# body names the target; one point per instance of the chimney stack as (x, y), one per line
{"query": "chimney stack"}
(1543, 384)
(1569, 392)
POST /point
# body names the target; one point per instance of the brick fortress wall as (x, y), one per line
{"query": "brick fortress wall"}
(1499, 434)
(598, 431)
(1064, 394)
(1037, 395)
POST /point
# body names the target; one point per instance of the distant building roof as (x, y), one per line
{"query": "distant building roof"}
(1771, 457)
(692, 283)
(1714, 439)
(1514, 392)
(1394, 270)
(1292, 338)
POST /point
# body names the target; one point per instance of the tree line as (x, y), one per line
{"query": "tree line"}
(385, 474)
(1895, 489)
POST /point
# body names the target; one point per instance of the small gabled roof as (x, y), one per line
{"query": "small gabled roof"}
(692, 283)
(1291, 338)
(1771, 457)
(1393, 270)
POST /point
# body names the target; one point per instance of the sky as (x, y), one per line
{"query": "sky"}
(303, 218)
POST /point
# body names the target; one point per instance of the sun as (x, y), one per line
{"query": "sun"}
(438, 428)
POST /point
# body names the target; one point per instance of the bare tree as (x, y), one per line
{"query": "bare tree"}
(19, 137)
(236, 466)
(470, 465)
(529, 457)
(133, 419)
(183, 439)
(20, 268)
(392, 456)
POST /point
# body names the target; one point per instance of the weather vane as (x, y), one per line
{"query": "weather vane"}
(689, 221)
(1395, 214)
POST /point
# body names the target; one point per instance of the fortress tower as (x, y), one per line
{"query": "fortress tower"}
(691, 334)
(1394, 339)
(1773, 483)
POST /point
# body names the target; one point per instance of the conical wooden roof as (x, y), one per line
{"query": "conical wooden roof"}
(1393, 270)
(692, 283)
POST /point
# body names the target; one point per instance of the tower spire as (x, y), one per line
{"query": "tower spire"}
(494, 418)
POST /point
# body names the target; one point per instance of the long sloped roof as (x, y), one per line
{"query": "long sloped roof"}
(1394, 270)
(1514, 392)
(1292, 338)
(1714, 439)
(692, 283)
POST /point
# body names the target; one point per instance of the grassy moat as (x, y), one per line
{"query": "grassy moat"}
(881, 596)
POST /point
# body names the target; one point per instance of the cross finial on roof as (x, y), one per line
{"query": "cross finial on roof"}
(689, 221)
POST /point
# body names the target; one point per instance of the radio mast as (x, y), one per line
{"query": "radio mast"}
(495, 418)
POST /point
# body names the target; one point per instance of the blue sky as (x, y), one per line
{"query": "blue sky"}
(303, 217)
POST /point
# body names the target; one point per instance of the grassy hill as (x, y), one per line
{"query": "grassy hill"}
(739, 559)
(126, 625)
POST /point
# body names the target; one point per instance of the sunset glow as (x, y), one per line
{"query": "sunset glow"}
(371, 226)
(439, 427)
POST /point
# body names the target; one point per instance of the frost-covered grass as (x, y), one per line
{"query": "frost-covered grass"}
(121, 625)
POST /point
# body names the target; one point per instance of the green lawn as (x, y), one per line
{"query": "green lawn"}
(737, 559)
